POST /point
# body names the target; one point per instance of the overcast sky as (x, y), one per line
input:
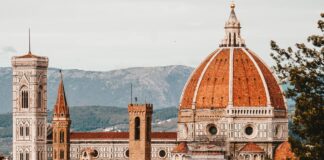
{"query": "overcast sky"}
(112, 34)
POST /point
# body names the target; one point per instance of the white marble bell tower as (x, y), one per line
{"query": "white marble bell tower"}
(29, 91)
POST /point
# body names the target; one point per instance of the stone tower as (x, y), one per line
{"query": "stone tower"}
(29, 93)
(140, 119)
(61, 126)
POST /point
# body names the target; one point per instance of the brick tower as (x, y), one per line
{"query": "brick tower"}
(29, 102)
(61, 126)
(140, 119)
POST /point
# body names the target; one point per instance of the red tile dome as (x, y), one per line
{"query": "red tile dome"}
(232, 76)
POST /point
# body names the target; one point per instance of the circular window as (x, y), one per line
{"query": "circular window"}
(248, 130)
(127, 153)
(212, 130)
(162, 153)
(95, 153)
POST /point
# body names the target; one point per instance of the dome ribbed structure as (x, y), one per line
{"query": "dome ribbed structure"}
(232, 76)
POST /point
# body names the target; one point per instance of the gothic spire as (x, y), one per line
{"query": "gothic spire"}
(61, 106)
(232, 31)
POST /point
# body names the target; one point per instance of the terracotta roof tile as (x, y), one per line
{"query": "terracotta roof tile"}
(188, 92)
(28, 55)
(181, 148)
(206, 153)
(276, 96)
(213, 89)
(251, 147)
(252, 81)
(248, 89)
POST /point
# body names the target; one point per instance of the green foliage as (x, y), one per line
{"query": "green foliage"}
(303, 70)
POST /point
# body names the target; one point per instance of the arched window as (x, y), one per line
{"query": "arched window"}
(61, 137)
(41, 130)
(38, 155)
(24, 97)
(38, 130)
(39, 97)
(137, 128)
(27, 156)
(21, 156)
(21, 130)
(27, 131)
(229, 39)
(234, 39)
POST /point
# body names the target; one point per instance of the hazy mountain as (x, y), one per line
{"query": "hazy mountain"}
(161, 86)
(100, 118)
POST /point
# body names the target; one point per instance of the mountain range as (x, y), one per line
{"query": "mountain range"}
(161, 86)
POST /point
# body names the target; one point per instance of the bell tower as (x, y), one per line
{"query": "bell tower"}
(140, 123)
(29, 106)
(61, 126)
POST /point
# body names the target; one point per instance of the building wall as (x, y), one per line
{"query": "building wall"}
(29, 123)
(115, 149)
(269, 130)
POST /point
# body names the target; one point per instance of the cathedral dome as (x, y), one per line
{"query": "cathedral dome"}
(232, 76)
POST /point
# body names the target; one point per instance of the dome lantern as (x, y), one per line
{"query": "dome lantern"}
(232, 31)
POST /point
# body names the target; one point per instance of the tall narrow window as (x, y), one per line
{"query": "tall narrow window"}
(41, 130)
(137, 128)
(39, 97)
(54, 135)
(27, 131)
(40, 155)
(229, 39)
(61, 137)
(234, 39)
(27, 156)
(21, 156)
(54, 154)
(61, 154)
(24, 98)
(21, 130)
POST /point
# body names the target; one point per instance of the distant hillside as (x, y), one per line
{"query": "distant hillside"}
(161, 86)
(88, 118)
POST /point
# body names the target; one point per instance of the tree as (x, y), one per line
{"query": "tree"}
(302, 70)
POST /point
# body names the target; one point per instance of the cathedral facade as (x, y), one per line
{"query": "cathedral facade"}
(231, 107)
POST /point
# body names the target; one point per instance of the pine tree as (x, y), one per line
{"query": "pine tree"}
(302, 70)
